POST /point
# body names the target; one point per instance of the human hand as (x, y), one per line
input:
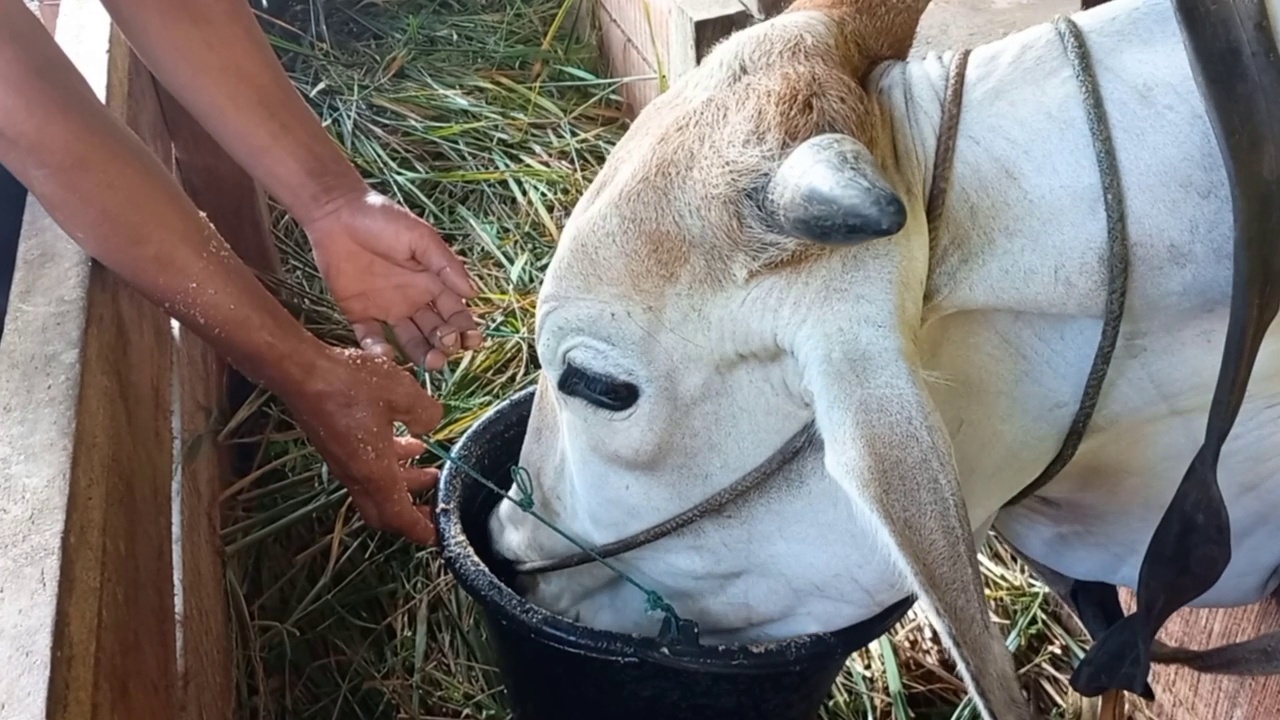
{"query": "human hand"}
(346, 406)
(384, 264)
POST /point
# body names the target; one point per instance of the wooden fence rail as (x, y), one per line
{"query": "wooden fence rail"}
(112, 604)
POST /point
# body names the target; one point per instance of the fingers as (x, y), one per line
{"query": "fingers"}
(400, 516)
(417, 480)
(408, 448)
(436, 360)
(458, 317)
(455, 278)
(404, 398)
(439, 327)
(427, 339)
(472, 339)
(372, 339)
(384, 497)
(358, 443)
(420, 480)
(430, 250)
(412, 340)
(441, 335)
(419, 412)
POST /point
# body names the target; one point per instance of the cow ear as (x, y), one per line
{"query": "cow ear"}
(830, 190)
(885, 444)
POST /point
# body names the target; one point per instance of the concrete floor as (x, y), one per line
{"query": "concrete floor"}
(965, 23)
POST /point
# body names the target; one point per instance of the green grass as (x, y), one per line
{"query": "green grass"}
(488, 120)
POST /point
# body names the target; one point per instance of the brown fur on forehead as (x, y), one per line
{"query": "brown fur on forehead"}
(870, 31)
(672, 207)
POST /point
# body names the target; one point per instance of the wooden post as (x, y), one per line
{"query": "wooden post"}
(764, 9)
(237, 207)
(652, 43)
(86, 461)
(113, 602)
(696, 27)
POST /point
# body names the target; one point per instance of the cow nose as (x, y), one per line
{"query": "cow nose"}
(500, 534)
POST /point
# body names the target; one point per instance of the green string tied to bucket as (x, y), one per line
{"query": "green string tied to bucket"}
(524, 483)
(675, 630)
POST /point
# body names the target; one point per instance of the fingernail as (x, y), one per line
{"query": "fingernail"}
(449, 340)
(471, 284)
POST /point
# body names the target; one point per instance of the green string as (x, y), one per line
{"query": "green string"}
(520, 478)
(653, 601)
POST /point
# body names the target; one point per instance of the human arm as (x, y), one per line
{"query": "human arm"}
(102, 186)
(381, 262)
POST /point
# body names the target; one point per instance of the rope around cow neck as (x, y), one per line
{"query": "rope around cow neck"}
(1117, 251)
(945, 149)
(1117, 227)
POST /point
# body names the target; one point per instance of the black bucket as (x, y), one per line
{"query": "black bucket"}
(555, 669)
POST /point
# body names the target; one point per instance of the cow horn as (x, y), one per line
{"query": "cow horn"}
(830, 190)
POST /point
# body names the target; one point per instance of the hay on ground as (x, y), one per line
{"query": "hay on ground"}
(488, 119)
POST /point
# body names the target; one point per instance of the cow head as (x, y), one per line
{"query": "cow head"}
(752, 257)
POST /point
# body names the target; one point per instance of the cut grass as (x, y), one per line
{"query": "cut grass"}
(487, 119)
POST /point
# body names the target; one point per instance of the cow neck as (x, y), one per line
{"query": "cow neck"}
(1117, 232)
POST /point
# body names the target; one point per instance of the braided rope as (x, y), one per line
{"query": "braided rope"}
(1117, 251)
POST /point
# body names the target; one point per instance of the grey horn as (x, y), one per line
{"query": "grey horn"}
(830, 190)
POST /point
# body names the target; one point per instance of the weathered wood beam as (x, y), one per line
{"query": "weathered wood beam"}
(765, 9)
(652, 43)
(85, 453)
(696, 27)
(110, 472)
(238, 208)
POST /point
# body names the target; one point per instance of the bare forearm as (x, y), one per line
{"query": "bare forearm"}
(106, 190)
(212, 56)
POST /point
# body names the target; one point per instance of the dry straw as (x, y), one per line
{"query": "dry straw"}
(488, 119)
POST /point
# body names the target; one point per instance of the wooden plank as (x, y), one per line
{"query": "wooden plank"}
(225, 192)
(765, 9)
(696, 27)
(633, 43)
(40, 363)
(118, 524)
(1183, 694)
(237, 207)
(205, 662)
(40, 373)
(86, 460)
(651, 43)
(95, 508)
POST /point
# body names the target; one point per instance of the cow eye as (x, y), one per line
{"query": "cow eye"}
(599, 390)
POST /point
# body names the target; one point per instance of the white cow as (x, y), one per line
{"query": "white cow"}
(689, 325)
